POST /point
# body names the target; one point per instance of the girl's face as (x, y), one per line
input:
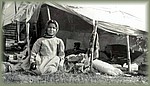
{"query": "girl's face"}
(52, 29)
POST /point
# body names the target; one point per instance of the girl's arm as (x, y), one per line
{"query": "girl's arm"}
(35, 50)
(61, 52)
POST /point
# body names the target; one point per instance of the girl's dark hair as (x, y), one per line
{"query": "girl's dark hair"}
(52, 21)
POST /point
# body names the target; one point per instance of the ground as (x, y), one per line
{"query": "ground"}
(62, 77)
(22, 77)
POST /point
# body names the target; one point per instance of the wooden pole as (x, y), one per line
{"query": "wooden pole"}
(93, 43)
(17, 24)
(18, 31)
(27, 32)
(15, 8)
(28, 39)
(128, 52)
(48, 13)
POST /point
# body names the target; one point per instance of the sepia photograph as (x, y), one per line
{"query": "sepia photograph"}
(60, 42)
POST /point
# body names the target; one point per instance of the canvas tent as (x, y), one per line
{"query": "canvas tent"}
(78, 26)
(75, 23)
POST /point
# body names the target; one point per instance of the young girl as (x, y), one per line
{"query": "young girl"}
(48, 51)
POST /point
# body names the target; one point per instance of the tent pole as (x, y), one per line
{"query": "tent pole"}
(15, 8)
(93, 43)
(28, 40)
(17, 24)
(128, 52)
(27, 32)
(18, 30)
(48, 12)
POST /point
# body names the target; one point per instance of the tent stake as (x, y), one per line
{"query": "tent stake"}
(128, 52)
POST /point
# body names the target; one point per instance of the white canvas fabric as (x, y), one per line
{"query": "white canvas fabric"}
(106, 68)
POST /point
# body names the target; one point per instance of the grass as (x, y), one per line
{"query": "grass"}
(66, 78)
